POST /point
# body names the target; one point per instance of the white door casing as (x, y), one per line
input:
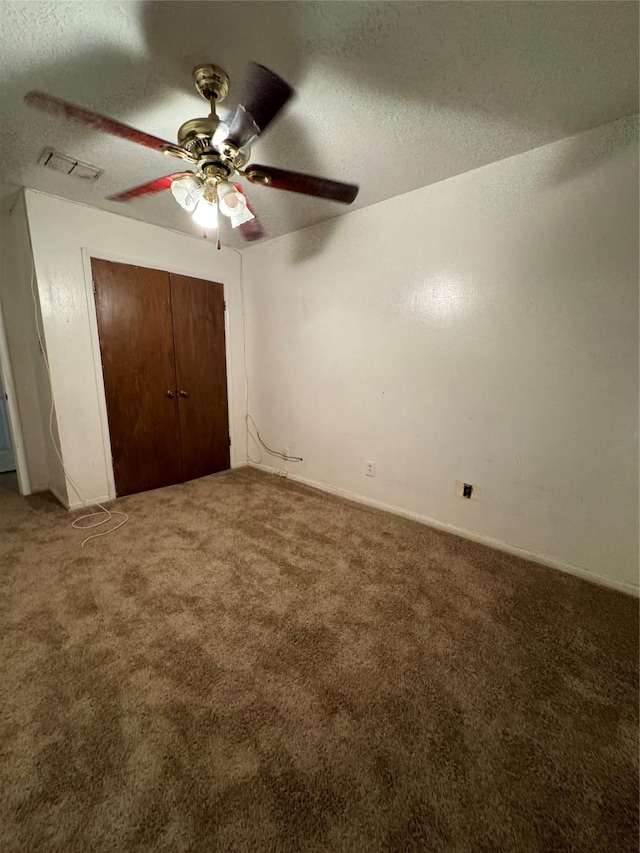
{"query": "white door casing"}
(7, 460)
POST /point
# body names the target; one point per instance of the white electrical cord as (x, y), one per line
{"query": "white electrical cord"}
(246, 378)
(249, 421)
(103, 510)
(284, 456)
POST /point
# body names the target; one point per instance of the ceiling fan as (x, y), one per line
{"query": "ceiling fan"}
(218, 151)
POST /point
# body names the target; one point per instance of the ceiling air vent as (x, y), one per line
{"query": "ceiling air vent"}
(68, 165)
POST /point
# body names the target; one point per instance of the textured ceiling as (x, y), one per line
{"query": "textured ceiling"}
(392, 96)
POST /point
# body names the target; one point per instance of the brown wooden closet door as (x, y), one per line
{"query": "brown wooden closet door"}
(133, 306)
(198, 334)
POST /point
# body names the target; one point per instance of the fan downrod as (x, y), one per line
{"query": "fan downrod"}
(211, 81)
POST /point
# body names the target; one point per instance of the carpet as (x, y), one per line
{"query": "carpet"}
(253, 665)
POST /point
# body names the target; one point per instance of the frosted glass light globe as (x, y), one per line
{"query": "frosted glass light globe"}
(231, 202)
(187, 191)
(206, 214)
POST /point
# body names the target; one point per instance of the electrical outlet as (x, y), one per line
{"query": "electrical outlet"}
(282, 473)
(285, 452)
(468, 491)
(371, 468)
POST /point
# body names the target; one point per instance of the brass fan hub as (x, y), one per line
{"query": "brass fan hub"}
(197, 128)
(214, 171)
(211, 81)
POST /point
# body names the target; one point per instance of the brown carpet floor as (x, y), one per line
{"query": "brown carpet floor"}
(252, 665)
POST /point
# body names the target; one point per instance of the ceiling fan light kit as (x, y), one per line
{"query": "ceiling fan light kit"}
(219, 152)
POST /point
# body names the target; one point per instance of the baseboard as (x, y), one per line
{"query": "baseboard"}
(90, 503)
(78, 504)
(498, 544)
(58, 496)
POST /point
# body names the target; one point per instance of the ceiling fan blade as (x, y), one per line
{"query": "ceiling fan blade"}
(263, 95)
(151, 188)
(295, 182)
(251, 230)
(63, 109)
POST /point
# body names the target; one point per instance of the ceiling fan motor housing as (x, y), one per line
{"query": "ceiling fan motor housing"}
(196, 134)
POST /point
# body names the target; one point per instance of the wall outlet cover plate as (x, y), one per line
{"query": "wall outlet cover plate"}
(476, 492)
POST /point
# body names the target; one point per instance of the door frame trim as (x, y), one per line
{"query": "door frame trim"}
(13, 415)
(98, 254)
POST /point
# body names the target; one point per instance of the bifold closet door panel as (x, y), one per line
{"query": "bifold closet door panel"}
(133, 307)
(199, 340)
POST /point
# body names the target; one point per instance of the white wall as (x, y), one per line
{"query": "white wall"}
(64, 235)
(26, 364)
(484, 329)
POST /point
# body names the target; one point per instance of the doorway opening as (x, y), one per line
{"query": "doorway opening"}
(14, 477)
(7, 454)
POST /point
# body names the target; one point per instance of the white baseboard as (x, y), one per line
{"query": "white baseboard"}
(77, 504)
(54, 491)
(88, 504)
(498, 544)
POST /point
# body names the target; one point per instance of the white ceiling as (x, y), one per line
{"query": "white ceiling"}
(392, 96)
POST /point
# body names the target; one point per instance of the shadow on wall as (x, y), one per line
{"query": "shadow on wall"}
(591, 151)
(495, 64)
